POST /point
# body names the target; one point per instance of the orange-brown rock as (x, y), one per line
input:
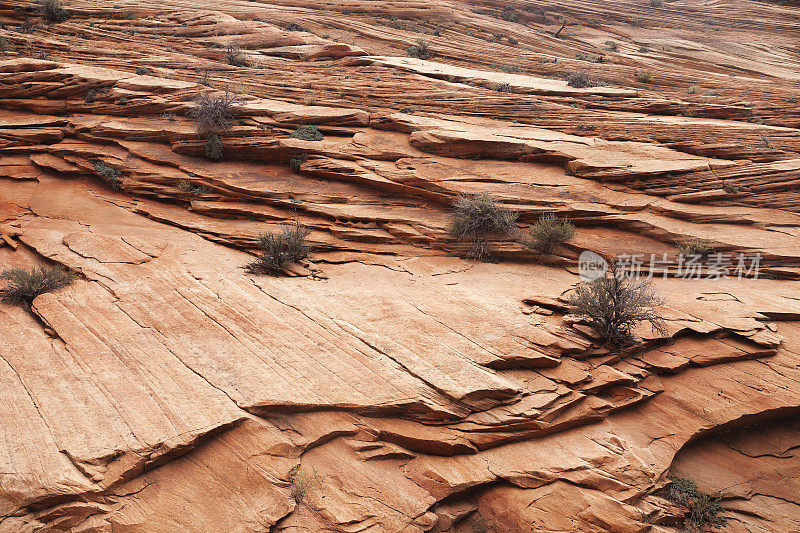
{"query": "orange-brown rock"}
(388, 384)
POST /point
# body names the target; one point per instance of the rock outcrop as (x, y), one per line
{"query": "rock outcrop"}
(387, 383)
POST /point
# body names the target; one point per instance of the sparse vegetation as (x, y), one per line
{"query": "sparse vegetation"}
(615, 305)
(25, 285)
(143, 71)
(302, 483)
(213, 113)
(293, 26)
(421, 50)
(694, 247)
(612, 46)
(644, 76)
(5, 46)
(91, 94)
(503, 88)
(190, 188)
(692, 90)
(214, 148)
(296, 162)
(477, 216)
(656, 3)
(53, 10)
(548, 232)
(279, 250)
(580, 79)
(704, 510)
(109, 174)
(234, 55)
(307, 133)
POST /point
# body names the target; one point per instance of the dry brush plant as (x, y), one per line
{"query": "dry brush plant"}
(548, 232)
(279, 250)
(25, 285)
(475, 217)
(703, 509)
(213, 113)
(53, 10)
(615, 305)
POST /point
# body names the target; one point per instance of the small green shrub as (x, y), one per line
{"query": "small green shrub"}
(694, 247)
(580, 79)
(503, 88)
(475, 217)
(508, 15)
(52, 10)
(703, 509)
(644, 76)
(190, 188)
(214, 148)
(302, 483)
(612, 46)
(279, 250)
(25, 285)
(293, 26)
(615, 305)
(549, 232)
(421, 50)
(91, 94)
(143, 71)
(109, 174)
(296, 162)
(732, 189)
(307, 133)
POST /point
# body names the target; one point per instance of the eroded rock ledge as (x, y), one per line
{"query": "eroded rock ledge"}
(389, 385)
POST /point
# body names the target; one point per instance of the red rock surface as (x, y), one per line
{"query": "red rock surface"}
(406, 389)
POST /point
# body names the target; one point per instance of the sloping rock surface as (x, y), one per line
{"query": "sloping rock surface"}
(387, 384)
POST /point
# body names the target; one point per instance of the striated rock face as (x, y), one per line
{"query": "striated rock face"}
(387, 384)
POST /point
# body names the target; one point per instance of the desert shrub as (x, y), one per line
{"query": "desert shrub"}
(612, 46)
(302, 483)
(190, 188)
(52, 10)
(732, 189)
(549, 232)
(580, 79)
(279, 250)
(656, 3)
(296, 162)
(644, 76)
(213, 113)
(234, 55)
(143, 71)
(90, 97)
(5, 46)
(615, 305)
(25, 285)
(508, 15)
(307, 133)
(703, 509)
(692, 90)
(213, 148)
(421, 50)
(109, 174)
(694, 247)
(293, 26)
(503, 88)
(475, 217)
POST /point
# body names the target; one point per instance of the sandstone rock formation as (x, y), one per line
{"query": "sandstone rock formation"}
(388, 384)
